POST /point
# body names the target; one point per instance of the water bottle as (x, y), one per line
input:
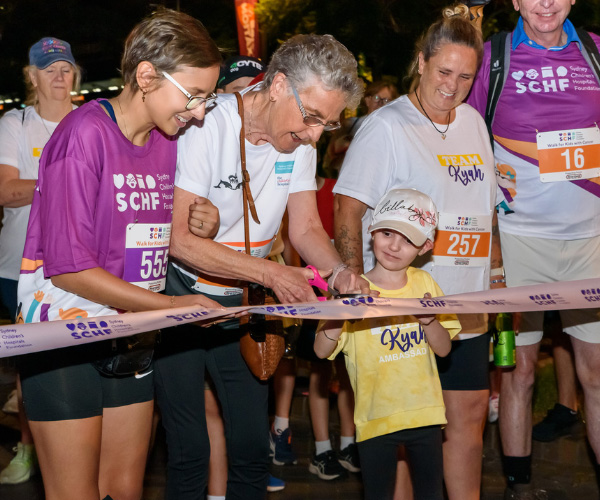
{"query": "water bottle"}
(504, 341)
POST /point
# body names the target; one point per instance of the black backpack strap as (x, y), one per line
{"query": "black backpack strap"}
(590, 52)
(499, 63)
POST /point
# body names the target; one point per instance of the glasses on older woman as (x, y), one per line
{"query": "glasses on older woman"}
(193, 101)
(310, 120)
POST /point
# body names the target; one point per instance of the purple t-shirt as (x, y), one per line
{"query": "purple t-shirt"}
(546, 90)
(101, 202)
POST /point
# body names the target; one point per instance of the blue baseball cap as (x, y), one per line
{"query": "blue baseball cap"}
(49, 50)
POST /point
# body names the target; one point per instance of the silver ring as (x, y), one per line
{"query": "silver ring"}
(201, 224)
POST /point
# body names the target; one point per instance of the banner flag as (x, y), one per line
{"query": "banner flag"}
(247, 26)
(32, 337)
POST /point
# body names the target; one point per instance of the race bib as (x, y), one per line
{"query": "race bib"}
(462, 240)
(568, 155)
(146, 255)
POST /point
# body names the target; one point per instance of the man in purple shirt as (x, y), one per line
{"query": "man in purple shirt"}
(544, 129)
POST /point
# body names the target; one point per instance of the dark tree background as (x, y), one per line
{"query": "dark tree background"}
(384, 31)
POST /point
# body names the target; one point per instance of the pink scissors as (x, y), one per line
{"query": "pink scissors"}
(320, 283)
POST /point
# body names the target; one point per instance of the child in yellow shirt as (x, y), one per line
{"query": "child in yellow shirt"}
(391, 361)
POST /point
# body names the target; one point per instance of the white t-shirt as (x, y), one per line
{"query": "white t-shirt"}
(23, 135)
(397, 147)
(208, 165)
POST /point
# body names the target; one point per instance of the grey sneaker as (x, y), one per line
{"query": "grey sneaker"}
(21, 467)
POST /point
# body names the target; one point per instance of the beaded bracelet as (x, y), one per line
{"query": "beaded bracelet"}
(501, 280)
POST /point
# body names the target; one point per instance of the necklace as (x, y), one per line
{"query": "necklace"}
(37, 108)
(442, 132)
(251, 115)
(123, 117)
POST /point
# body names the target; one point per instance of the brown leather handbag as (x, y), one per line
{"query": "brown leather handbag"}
(262, 344)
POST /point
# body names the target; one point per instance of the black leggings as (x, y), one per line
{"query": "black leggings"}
(379, 458)
(184, 353)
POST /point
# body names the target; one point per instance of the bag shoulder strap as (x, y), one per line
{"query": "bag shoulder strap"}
(499, 63)
(590, 52)
(248, 201)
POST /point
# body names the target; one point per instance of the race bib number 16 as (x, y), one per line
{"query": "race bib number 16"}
(567, 155)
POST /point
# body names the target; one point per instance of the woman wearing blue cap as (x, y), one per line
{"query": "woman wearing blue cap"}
(50, 77)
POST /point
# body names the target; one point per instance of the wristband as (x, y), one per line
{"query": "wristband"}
(501, 280)
(336, 270)
(498, 271)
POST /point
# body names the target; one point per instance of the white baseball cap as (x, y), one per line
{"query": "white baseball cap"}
(409, 212)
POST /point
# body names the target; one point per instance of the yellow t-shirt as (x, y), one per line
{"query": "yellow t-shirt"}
(391, 367)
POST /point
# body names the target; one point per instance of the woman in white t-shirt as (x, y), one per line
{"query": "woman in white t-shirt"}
(431, 141)
(308, 83)
(49, 78)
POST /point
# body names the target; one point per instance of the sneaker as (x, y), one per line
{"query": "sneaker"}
(493, 408)
(281, 448)
(275, 484)
(524, 492)
(559, 421)
(326, 466)
(12, 403)
(348, 457)
(21, 467)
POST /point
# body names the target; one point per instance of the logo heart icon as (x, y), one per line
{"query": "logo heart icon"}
(119, 180)
(517, 75)
(150, 182)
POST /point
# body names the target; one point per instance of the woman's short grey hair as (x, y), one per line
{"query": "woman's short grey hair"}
(306, 58)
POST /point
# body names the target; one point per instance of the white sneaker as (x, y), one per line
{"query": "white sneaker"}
(12, 403)
(493, 408)
(21, 467)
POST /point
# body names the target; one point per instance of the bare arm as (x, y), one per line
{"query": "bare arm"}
(438, 337)
(203, 220)
(327, 338)
(290, 284)
(312, 243)
(348, 213)
(496, 252)
(102, 287)
(14, 191)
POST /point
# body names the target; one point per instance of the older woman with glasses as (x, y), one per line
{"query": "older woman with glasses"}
(309, 81)
(105, 188)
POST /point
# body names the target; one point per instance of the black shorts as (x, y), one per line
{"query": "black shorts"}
(62, 384)
(466, 368)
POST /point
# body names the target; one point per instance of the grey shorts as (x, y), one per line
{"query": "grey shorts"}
(530, 261)
(63, 384)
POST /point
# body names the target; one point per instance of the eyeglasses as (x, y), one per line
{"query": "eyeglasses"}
(380, 100)
(193, 101)
(312, 121)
